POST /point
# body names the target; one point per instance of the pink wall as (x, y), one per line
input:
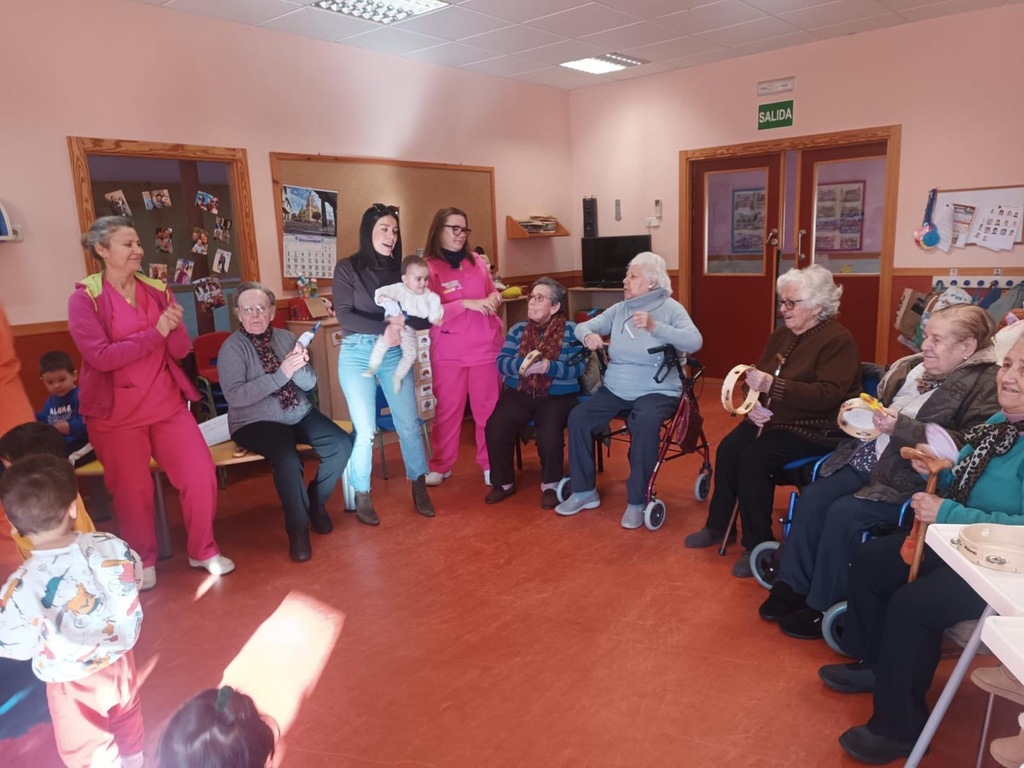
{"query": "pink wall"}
(943, 80)
(118, 69)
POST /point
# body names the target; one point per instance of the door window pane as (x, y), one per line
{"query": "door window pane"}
(734, 218)
(847, 231)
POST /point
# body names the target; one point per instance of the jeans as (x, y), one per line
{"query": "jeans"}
(361, 394)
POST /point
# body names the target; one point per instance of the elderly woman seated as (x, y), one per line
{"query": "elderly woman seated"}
(895, 628)
(816, 367)
(545, 392)
(265, 374)
(648, 317)
(952, 383)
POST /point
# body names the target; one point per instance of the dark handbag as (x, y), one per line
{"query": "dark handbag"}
(687, 428)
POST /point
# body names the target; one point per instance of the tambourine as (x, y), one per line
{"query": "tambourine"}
(855, 419)
(530, 359)
(1000, 547)
(729, 385)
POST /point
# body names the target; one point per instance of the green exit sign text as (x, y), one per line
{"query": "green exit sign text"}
(775, 115)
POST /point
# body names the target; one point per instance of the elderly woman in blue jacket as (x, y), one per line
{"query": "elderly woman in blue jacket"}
(648, 317)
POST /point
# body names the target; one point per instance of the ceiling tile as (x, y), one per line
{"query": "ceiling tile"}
(631, 36)
(244, 11)
(672, 49)
(512, 39)
(452, 23)
(569, 50)
(707, 57)
(945, 9)
(711, 16)
(782, 6)
(903, 5)
(451, 54)
(151, 2)
(738, 34)
(394, 41)
(834, 13)
(314, 22)
(559, 77)
(857, 26)
(649, 9)
(520, 10)
(776, 43)
(631, 73)
(585, 20)
(505, 66)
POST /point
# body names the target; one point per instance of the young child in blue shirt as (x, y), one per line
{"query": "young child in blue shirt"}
(61, 408)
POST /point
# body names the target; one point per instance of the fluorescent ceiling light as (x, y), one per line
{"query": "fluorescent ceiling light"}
(380, 11)
(603, 64)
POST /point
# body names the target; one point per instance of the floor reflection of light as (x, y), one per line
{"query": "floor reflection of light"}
(280, 664)
(205, 586)
(141, 673)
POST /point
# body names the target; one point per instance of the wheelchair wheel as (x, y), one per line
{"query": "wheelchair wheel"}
(763, 563)
(702, 487)
(654, 515)
(832, 627)
(564, 489)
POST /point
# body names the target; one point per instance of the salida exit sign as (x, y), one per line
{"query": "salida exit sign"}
(775, 115)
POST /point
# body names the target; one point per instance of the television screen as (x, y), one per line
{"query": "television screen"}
(605, 259)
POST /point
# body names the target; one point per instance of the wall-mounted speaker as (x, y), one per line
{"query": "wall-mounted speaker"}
(590, 217)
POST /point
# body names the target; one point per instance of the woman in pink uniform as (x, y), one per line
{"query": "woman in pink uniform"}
(133, 395)
(464, 347)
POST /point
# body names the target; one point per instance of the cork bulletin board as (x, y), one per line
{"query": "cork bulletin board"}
(417, 189)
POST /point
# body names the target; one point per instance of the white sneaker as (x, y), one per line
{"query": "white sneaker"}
(148, 578)
(218, 565)
(133, 761)
(436, 478)
(487, 477)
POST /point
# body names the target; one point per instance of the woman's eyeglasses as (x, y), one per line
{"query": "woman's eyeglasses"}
(789, 303)
(255, 309)
(533, 298)
(385, 210)
(457, 230)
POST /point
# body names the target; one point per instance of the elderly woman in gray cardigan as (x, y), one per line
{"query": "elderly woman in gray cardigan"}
(265, 374)
(648, 317)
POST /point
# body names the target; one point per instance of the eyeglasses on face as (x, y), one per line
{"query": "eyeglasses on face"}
(254, 309)
(457, 230)
(385, 210)
(789, 303)
(533, 298)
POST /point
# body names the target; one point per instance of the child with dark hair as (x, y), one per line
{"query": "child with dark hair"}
(60, 378)
(73, 609)
(27, 439)
(218, 728)
(409, 297)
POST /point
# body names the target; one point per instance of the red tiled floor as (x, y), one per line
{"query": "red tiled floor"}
(506, 636)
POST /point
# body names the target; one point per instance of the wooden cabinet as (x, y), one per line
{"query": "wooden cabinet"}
(512, 311)
(587, 298)
(515, 232)
(323, 354)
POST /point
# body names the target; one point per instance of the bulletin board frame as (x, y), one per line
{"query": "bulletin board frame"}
(981, 197)
(418, 189)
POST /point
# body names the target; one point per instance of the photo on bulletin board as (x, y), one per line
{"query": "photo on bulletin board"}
(164, 241)
(118, 203)
(200, 241)
(221, 261)
(222, 230)
(207, 202)
(209, 294)
(310, 222)
(158, 272)
(839, 216)
(183, 271)
(161, 198)
(748, 210)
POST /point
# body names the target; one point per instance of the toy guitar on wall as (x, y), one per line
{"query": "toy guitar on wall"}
(928, 235)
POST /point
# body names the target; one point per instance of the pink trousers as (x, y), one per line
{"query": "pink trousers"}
(452, 385)
(97, 721)
(179, 448)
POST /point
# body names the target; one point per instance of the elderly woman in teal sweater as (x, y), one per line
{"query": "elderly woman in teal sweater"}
(648, 317)
(894, 628)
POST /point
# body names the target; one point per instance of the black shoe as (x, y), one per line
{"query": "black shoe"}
(548, 498)
(782, 601)
(320, 521)
(862, 744)
(420, 497)
(299, 548)
(498, 494)
(855, 677)
(706, 537)
(364, 509)
(804, 624)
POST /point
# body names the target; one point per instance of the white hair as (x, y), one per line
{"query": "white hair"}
(652, 266)
(815, 286)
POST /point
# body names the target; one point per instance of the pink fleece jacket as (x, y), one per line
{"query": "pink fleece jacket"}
(464, 337)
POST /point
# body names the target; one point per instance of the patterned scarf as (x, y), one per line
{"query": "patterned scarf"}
(548, 339)
(988, 440)
(288, 395)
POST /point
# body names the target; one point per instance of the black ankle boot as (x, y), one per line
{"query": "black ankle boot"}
(364, 509)
(319, 520)
(299, 548)
(420, 497)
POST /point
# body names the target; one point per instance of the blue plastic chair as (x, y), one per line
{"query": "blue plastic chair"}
(385, 423)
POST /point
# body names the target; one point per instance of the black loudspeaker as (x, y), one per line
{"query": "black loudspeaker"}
(590, 217)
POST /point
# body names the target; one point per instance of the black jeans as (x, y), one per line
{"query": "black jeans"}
(897, 628)
(276, 442)
(513, 411)
(744, 464)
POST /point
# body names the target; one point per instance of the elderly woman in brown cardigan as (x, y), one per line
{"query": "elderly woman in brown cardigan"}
(814, 366)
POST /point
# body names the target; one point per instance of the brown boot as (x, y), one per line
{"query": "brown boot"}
(364, 509)
(420, 497)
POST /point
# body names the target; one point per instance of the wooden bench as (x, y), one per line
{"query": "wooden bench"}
(223, 455)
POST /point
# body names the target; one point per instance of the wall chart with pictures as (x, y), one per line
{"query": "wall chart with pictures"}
(839, 216)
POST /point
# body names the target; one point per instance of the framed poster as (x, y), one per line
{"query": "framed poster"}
(839, 216)
(748, 206)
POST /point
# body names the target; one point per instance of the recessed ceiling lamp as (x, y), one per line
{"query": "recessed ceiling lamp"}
(380, 11)
(603, 64)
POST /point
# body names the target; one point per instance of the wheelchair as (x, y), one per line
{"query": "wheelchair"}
(680, 435)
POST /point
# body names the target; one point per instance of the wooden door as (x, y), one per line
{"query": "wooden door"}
(734, 246)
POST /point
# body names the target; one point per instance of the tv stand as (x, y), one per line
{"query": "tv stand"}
(585, 298)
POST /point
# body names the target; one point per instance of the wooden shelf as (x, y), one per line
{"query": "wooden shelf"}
(515, 232)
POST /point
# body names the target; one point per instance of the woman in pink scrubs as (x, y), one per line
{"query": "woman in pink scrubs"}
(133, 395)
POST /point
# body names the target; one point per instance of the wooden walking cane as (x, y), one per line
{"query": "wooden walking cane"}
(913, 548)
